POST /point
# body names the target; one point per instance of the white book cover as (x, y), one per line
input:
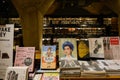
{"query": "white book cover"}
(16, 73)
(96, 47)
(110, 65)
(25, 57)
(67, 49)
(6, 47)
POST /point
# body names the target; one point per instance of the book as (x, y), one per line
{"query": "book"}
(25, 57)
(91, 68)
(108, 54)
(83, 49)
(110, 65)
(96, 47)
(70, 68)
(115, 47)
(48, 57)
(16, 73)
(50, 76)
(112, 47)
(37, 77)
(42, 70)
(67, 49)
(69, 64)
(6, 47)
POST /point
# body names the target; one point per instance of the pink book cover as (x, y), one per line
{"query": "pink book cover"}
(25, 57)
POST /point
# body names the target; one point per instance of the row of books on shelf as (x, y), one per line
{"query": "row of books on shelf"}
(74, 20)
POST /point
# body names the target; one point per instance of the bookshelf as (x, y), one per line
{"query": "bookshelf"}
(78, 27)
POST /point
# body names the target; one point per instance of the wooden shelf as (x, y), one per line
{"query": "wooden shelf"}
(91, 78)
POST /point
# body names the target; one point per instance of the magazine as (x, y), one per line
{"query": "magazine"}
(48, 57)
(50, 76)
(96, 47)
(115, 47)
(83, 49)
(25, 57)
(16, 73)
(67, 49)
(6, 47)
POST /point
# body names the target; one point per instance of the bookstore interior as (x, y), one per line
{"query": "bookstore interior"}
(77, 39)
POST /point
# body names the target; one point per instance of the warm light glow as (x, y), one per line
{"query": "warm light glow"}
(71, 29)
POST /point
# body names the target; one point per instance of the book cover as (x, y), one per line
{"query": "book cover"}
(69, 64)
(112, 47)
(108, 53)
(50, 76)
(96, 47)
(37, 77)
(25, 57)
(115, 47)
(48, 57)
(16, 73)
(91, 68)
(110, 65)
(83, 49)
(67, 48)
(6, 47)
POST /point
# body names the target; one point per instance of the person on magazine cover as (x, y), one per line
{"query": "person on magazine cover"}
(49, 52)
(68, 49)
(49, 57)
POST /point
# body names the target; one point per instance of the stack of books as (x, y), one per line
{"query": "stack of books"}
(91, 69)
(112, 67)
(70, 68)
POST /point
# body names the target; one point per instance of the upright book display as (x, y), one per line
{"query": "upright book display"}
(6, 48)
(25, 57)
(48, 57)
(115, 47)
(96, 47)
(83, 49)
(16, 73)
(67, 48)
(107, 50)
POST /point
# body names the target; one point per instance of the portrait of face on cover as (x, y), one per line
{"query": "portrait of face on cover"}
(67, 49)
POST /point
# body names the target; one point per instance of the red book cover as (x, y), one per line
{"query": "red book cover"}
(115, 47)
